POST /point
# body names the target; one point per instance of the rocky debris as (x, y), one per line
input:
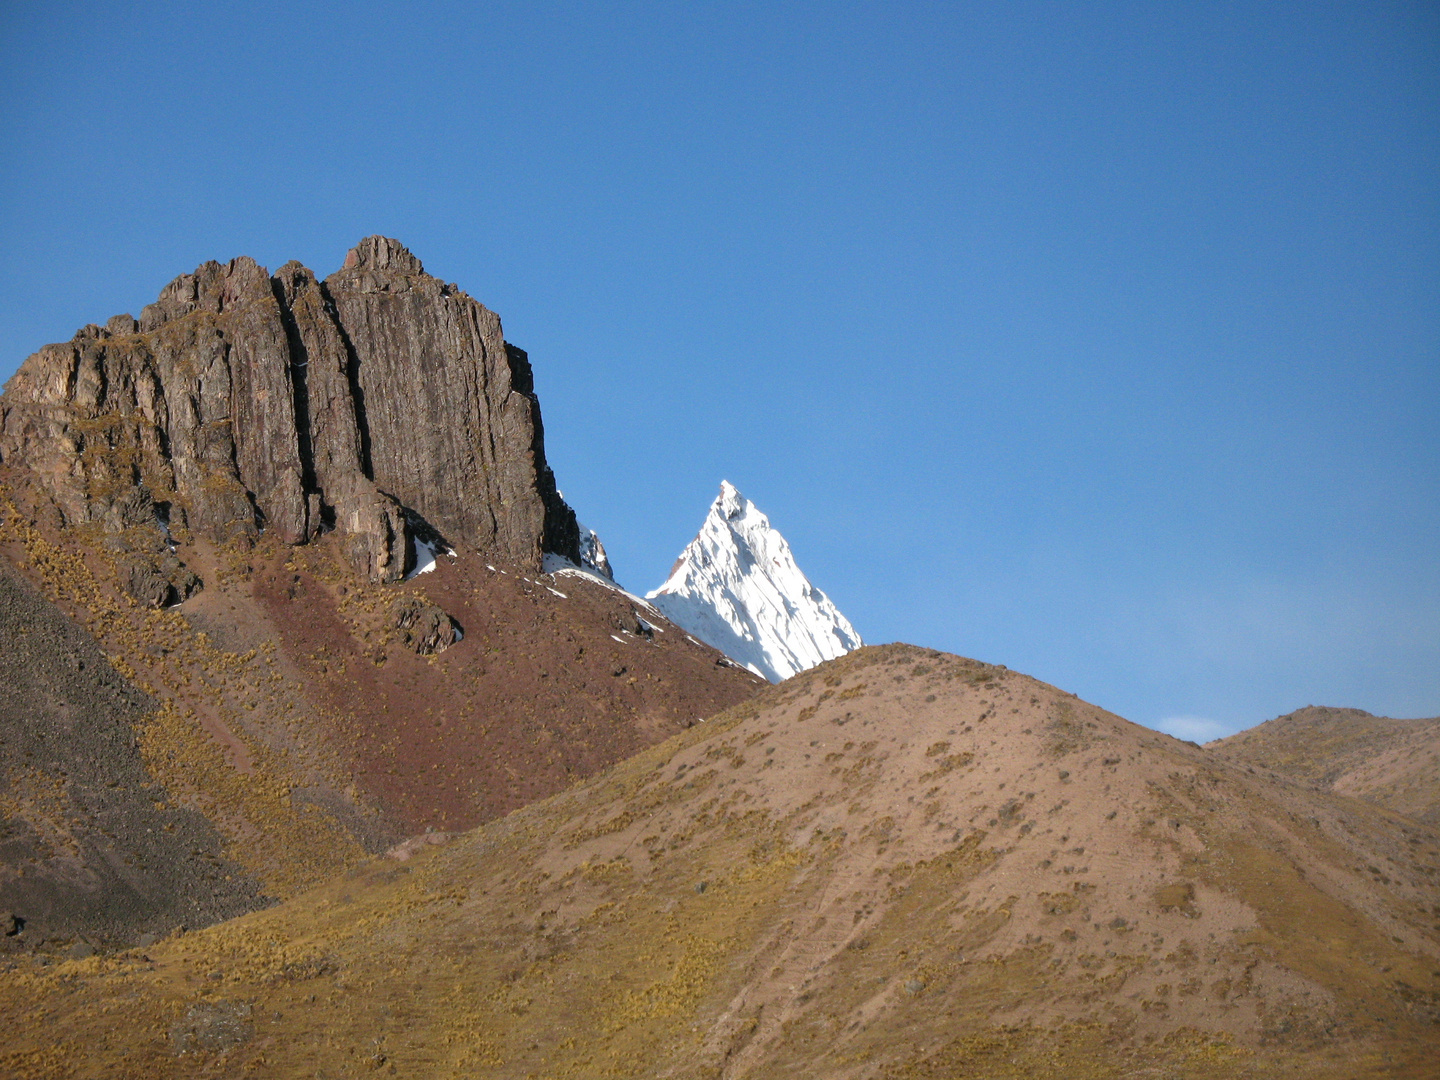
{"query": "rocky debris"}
(157, 580)
(424, 627)
(148, 568)
(211, 1027)
(239, 402)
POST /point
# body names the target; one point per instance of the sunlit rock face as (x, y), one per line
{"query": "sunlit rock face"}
(241, 401)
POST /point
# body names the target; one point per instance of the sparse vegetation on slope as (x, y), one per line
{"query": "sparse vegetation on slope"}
(309, 718)
(899, 864)
(1395, 763)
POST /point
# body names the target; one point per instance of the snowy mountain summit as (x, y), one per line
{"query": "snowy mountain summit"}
(736, 587)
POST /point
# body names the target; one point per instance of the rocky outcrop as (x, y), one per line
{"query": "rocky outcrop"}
(241, 402)
(423, 626)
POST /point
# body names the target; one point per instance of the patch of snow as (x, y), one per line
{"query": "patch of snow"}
(736, 587)
(558, 593)
(424, 559)
(163, 522)
(619, 639)
(558, 566)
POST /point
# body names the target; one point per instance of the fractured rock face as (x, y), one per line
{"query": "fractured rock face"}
(423, 626)
(239, 401)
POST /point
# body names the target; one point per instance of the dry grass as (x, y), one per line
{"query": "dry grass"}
(683, 915)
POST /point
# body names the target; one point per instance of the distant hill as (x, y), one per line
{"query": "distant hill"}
(897, 864)
(1395, 763)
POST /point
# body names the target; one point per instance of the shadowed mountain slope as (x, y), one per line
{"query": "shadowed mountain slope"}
(1395, 763)
(898, 864)
(89, 843)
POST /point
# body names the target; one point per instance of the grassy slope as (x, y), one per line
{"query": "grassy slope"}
(284, 709)
(898, 864)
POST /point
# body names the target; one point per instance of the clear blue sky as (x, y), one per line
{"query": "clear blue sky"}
(1101, 341)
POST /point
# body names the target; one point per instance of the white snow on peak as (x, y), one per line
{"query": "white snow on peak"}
(736, 587)
(592, 553)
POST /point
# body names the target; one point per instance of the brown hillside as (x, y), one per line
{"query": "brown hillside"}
(222, 499)
(89, 845)
(1395, 763)
(899, 864)
(285, 710)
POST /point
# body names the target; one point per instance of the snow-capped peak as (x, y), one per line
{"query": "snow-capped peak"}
(736, 587)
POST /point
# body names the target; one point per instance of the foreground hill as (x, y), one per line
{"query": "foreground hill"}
(898, 864)
(1395, 763)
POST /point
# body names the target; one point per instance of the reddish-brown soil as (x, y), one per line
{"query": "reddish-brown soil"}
(287, 709)
(554, 680)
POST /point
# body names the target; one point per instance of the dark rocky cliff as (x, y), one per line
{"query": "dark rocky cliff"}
(376, 402)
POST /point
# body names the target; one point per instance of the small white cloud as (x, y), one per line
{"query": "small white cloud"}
(1193, 728)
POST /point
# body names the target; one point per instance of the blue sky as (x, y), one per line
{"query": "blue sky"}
(1101, 341)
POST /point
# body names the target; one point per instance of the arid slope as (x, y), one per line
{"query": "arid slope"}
(898, 864)
(283, 721)
(1395, 763)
